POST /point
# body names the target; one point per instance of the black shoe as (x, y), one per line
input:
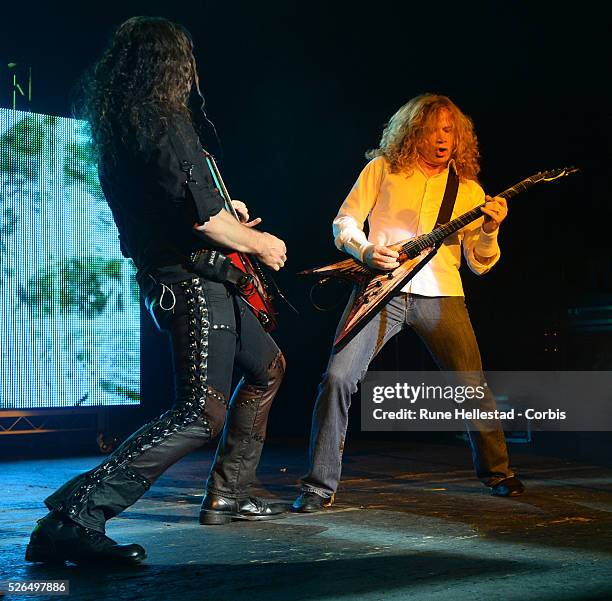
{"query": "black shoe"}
(221, 510)
(309, 502)
(508, 487)
(57, 539)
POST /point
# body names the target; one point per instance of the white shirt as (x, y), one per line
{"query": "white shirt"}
(399, 207)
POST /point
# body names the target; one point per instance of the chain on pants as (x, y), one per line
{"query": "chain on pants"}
(209, 329)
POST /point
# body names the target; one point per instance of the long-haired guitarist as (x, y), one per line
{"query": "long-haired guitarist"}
(167, 208)
(400, 193)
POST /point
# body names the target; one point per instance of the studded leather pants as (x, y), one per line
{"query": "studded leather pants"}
(211, 330)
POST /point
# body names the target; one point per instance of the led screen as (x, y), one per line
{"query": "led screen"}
(69, 311)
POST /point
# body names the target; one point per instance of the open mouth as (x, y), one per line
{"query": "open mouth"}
(441, 151)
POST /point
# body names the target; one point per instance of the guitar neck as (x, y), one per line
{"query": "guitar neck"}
(220, 184)
(434, 238)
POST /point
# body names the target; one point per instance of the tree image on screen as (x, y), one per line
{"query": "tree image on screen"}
(69, 309)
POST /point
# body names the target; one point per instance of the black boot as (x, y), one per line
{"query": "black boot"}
(309, 502)
(239, 452)
(508, 487)
(57, 539)
(219, 510)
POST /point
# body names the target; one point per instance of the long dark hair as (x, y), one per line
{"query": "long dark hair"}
(146, 73)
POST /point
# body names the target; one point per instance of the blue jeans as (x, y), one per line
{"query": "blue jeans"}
(443, 324)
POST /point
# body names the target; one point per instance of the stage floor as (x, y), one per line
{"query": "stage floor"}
(410, 522)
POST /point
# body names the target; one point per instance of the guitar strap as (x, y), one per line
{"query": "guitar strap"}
(450, 195)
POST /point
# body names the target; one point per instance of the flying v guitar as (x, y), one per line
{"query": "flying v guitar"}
(374, 287)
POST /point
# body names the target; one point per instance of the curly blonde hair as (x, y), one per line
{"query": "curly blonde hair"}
(408, 126)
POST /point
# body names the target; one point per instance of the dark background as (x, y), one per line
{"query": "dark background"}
(298, 92)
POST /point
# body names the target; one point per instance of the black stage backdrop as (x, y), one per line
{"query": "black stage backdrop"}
(299, 91)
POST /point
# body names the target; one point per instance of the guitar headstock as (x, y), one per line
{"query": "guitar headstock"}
(541, 176)
(555, 174)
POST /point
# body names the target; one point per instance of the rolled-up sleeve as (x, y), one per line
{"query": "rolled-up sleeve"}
(182, 175)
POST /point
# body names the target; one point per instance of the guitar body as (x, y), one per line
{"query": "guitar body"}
(373, 288)
(256, 294)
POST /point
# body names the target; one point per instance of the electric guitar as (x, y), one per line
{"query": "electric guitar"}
(255, 291)
(375, 287)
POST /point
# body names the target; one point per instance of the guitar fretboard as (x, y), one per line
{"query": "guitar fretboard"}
(426, 241)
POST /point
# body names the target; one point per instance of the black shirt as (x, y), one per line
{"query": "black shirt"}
(157, 195)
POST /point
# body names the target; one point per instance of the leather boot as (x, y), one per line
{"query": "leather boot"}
(219, 510)
(57, 539)
(309, 502)
(240, 447)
